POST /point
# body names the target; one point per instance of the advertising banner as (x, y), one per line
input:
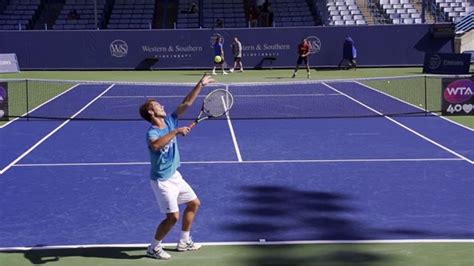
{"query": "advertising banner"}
(3, 101)
(377, 45)
(457, 96)
(8, 63)
(446, 63)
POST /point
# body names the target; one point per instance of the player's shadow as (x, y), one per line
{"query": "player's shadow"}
(43, 256)
(278, 213)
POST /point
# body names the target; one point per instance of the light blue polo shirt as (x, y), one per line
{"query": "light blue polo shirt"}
(164, 162)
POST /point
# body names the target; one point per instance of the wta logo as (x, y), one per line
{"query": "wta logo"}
(459, 91)
(3, 94)
(3, 99)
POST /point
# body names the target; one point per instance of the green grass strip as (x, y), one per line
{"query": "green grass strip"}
(301, 255)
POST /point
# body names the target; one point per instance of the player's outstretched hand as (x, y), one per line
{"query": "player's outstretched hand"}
(206, 79)
(183, 131)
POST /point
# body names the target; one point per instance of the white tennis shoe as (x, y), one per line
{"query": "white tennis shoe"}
(158, 254)
(187, 246)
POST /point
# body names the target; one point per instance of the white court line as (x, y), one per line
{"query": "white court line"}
(52, 132)
(249, 243)
(37, 107)
(234, 139)
(402, 125)
(148, 96)
(231, 129)
(235, 96)
(245, 162)
(414, 105)
(288, 95)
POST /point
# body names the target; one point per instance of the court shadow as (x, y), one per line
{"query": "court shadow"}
(278, 213)
(43, 256)
(282, 77)
(196, 74)
(294, 256)
(430, 44)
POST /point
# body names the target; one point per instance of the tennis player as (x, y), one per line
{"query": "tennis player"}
(303, 53)
(237, 52)
(219, 51)
(168, 185)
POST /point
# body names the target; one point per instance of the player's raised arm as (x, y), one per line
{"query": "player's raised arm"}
(192, 95)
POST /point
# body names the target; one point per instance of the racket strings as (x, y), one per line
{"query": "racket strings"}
(218, 103)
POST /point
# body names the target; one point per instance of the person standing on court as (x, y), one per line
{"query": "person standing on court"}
(219, 51)
(349, 53)
(168, 185)
(237, 52)
(303, 53)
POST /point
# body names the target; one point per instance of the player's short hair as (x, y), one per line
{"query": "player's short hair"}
(144, 110)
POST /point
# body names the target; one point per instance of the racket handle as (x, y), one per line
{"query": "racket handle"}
(193, 124)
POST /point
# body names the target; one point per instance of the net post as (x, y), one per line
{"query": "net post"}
(426, 98)
(27, 101)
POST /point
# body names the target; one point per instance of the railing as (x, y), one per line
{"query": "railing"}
(465, 24)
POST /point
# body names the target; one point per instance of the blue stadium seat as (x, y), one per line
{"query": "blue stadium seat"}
(133, 14)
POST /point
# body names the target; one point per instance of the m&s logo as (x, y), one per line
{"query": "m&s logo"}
(118, 48)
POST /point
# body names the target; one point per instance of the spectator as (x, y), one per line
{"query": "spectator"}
(253, 17)
(73, 15)
(270, 15)
(349, 54)
(219, 23)
(265, 6)
(193, 9)
(263, 17)
(259, 2)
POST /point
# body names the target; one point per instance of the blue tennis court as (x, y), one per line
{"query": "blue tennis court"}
(349, 174)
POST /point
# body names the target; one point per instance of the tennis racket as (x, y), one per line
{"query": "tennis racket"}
(217, 103)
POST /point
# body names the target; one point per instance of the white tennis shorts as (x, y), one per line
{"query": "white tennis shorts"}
(172, 192)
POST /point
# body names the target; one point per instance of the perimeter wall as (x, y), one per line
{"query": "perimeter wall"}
(384, 45)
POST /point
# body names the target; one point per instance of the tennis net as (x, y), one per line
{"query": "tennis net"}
(32, 99)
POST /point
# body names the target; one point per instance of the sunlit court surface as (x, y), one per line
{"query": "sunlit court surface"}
(340, 166)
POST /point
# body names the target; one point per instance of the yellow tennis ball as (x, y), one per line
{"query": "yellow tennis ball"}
(217, 59)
